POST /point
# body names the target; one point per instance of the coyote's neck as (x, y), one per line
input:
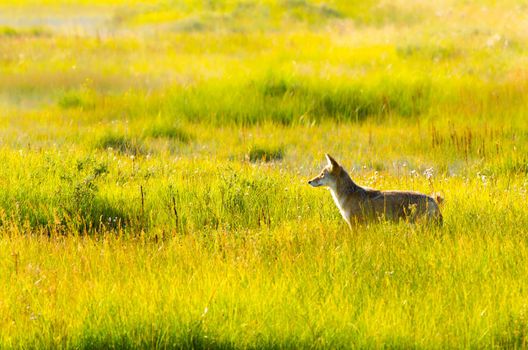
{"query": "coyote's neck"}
(343, 189)
(344, 184)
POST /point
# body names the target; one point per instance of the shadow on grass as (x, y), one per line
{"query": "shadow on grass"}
(514, 334)
(122, 144)
(265, 153)
(169, 131)
(35, 32)
(191, 336)
(76, 100)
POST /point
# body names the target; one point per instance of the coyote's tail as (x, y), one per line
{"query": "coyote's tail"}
(438, 197)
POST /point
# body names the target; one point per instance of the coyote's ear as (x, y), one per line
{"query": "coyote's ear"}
(331, 161)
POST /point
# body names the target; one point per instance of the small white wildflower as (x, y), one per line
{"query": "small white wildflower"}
(428, 173)
(493, 40)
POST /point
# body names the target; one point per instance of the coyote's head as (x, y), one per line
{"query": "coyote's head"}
(328, 176)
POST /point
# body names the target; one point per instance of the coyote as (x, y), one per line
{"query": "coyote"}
(360, 204)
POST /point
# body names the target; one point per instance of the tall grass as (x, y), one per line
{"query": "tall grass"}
(154, 166)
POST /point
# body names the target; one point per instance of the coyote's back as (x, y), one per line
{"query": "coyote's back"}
(394, 205)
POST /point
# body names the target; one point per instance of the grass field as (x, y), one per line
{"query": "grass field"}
(154, 159)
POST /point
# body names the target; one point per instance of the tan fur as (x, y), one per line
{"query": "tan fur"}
(360, 204)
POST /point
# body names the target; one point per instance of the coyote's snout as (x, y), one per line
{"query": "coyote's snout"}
(359, 204)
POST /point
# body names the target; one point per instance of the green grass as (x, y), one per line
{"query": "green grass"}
(265, 154)
(155, 159)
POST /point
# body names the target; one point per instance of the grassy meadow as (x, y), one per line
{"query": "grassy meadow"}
(154, 158)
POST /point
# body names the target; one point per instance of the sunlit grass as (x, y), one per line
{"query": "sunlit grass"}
(154, 159)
